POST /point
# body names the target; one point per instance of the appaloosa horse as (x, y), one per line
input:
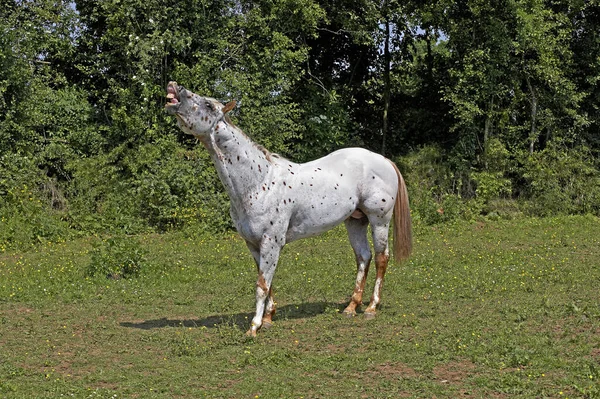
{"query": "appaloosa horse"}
(275, 201)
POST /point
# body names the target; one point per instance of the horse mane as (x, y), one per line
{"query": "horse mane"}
(268, 154)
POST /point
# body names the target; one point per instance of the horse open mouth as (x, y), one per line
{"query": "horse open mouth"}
(172, 97)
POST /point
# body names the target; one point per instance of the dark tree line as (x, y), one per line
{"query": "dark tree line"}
(478, 101)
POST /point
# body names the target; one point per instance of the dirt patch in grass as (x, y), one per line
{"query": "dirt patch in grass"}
(394, 371)
(454, 372)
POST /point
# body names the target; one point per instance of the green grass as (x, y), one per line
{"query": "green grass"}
(504, 309)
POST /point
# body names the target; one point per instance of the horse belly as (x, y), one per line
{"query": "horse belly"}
(318, 218)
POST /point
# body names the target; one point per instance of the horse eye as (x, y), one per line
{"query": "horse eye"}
(208, 105)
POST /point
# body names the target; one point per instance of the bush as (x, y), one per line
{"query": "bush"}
(562, 180)
(434, 189)
(117, 257)
(159, 186)
(26, 212)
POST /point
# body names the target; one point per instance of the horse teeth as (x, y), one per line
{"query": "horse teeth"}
(171, 95)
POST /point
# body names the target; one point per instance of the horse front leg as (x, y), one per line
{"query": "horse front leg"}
(267, 320)
(265, 305)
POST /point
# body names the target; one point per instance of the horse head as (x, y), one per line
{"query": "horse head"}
(195, 115)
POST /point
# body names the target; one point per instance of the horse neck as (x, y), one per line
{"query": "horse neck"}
(241, 164)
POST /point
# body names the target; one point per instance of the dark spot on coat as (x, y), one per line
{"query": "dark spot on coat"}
(271, 223)
(289, 186)
(284, 202)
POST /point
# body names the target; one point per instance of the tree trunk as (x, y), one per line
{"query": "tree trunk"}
(534, 105)
(487, 131)
(429, 55)
(386, 84)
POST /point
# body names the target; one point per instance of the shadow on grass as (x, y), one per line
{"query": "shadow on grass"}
(241, 320)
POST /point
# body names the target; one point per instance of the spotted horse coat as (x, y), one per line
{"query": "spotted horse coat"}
(275, 201)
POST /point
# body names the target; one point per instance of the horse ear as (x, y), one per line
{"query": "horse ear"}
(229, 106)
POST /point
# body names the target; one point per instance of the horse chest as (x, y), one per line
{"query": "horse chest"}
(264, 215)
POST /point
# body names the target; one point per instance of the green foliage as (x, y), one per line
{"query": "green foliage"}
(434, 190)
(562, 180)
(479, 95)
(492, 182)
(117, 257)
(439, 193)
(28, 205)
(159, 186)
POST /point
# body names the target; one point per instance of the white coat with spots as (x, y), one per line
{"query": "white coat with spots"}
(275, 201)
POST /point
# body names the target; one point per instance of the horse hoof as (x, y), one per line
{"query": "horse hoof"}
(369, 315)
(251, 333)
(349, 313)
(266, 324)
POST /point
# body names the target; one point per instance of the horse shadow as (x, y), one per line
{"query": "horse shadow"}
(240, 320)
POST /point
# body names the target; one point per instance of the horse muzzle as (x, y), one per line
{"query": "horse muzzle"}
(173, 96)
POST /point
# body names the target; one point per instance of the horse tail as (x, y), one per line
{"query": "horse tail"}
(402, 222)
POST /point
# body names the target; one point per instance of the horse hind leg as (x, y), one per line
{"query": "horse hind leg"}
(380, 242)
(267, 321)
(357, 233)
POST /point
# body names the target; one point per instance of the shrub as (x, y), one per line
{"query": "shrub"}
(434, 189)
(26, 212)
(562, 180)
(158, 186)
(117, 257)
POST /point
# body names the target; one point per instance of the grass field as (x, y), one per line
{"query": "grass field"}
(506, 309)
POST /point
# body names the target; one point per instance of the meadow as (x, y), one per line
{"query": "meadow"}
(488, 309)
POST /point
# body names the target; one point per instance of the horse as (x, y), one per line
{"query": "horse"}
(275, 201)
